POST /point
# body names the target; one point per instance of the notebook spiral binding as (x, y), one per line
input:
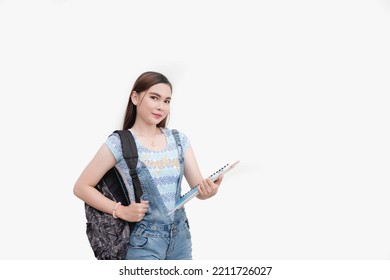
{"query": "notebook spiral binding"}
(213, 177)
(194, 191)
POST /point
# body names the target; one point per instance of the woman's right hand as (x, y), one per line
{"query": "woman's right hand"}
(134, 212)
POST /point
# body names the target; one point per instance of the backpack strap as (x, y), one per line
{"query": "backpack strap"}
(130, 154)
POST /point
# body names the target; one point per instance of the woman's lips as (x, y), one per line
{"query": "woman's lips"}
(157, 116)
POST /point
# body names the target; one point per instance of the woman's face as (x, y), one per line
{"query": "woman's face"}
(153, 105)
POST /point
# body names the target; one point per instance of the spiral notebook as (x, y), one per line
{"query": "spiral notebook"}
(194, 191)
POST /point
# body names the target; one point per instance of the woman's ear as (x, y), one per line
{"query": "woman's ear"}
(134, 98)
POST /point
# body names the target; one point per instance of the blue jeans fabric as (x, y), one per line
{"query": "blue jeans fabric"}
(160, 242)
(160, 236)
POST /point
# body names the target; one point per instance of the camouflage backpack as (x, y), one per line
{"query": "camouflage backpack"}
(108, 236)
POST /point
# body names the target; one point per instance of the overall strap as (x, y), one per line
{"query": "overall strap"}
(130, 154)
(178, 142)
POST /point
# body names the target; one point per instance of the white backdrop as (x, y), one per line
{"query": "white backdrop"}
(297, 90)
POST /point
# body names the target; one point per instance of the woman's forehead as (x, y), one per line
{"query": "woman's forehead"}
(161, 89)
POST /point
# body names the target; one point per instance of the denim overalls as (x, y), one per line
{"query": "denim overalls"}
(159, 236)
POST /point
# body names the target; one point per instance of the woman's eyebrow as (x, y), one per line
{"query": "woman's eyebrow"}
(159, 95)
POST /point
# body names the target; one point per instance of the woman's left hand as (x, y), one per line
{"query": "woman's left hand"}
(208, 188)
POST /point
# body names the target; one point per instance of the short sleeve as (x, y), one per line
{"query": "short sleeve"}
(113, 142)
(185, 142)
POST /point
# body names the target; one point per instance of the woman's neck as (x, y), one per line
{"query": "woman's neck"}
(145, 130)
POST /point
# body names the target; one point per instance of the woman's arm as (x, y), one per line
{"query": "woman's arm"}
(207, 188)
(84, 188)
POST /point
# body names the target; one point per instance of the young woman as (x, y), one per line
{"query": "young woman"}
(161, 166)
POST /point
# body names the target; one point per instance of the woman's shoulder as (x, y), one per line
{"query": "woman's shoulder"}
(183, 137)
(172, 131)
(113, 142)
(113, 137)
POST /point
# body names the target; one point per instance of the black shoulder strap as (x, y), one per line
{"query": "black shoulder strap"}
(130, 154)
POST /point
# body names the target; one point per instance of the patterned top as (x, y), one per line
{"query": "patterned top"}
(163, 165)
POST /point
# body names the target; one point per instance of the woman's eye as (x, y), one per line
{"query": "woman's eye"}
(154, 97)
(167, 101)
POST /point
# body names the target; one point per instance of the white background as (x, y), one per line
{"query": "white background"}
(297, 90)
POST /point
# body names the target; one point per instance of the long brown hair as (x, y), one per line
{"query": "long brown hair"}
(144, 82)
